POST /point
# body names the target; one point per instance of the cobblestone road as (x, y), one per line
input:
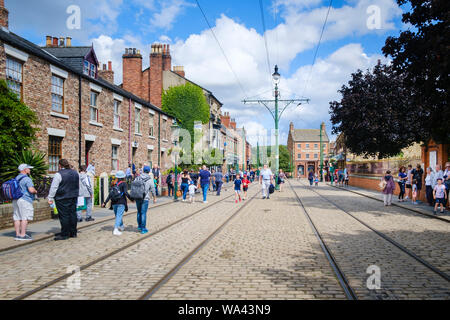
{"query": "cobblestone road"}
(356, 248)
(28, 267)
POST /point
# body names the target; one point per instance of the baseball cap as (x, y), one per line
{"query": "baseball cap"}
(25, 166)
(147, 169)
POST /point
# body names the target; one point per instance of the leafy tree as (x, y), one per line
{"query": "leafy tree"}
(376, 114)
(36, 159)
(187, 104)
(422, 55)
(285, 159)
(17, 130)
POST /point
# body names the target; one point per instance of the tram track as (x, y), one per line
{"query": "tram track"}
(116, 251)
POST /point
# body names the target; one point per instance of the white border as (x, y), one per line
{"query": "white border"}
(138, 106)
(95, 87)
(56, 132)
(150, 147)
(16, 53)
(89, 137)
(116, 142)
(117, 97)
(59, 72)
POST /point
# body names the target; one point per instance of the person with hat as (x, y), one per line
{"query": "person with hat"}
(118, 196)
(142, 205)
(440, 195)
(23, 207)
(64, 193)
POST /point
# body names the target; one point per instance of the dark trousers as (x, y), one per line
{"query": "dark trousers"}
(219, 187)
(429, 191)
(171, 190)
(401, 196)
(67, 213)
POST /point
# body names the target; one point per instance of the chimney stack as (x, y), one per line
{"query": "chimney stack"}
(157, 66)
(48, 41)
(61, 41)
(132, 71)
(107, 74)
(4, 15)
(55, 42)
(167, 59)
(179, 70)
(68, 41)
(291, 126)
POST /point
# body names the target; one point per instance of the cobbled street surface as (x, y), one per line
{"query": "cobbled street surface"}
(267, 251)
(28, 267)
(356, 247)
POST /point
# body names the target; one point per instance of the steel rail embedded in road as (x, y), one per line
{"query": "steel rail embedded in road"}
(389, 239)
(149, 293)
(396, 205)
(102, 258)
(343, 281)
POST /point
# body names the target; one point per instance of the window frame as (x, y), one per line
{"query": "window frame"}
(115, 158)
(62, 97)
(117, 104)
(57, 143)
(137, 124)
(307, 156)
(21, 63)
(151, 123)
(91, 106)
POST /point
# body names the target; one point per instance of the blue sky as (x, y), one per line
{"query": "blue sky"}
(293, 28)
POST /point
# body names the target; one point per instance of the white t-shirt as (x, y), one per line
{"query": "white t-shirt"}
(266, 174)
(192, 189)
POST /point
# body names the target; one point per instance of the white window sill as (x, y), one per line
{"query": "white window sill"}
(59, 115)
(93, 123)
(164, 140)
(153, 138)
(138, 134)
(118, 129)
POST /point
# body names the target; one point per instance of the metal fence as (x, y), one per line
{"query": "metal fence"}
(42, 186)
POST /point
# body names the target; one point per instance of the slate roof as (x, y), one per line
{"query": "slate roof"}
(308, 135)
(72, 56)
(31, 48)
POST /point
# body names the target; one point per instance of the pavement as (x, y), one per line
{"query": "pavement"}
(421, 207)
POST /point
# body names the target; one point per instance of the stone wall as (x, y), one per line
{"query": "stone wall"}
(42, 211)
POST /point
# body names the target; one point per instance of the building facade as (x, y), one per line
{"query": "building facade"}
(83, 116)
(304, 148)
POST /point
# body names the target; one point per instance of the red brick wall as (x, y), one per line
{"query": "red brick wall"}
(4, 20)
(132, 74)
(156, 78)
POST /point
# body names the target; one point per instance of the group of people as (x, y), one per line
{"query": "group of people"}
(340, 176)
(410, 182)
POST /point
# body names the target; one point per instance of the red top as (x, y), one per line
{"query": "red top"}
(245, 182)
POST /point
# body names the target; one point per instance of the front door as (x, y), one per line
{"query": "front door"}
(88, 148)
(301, 171)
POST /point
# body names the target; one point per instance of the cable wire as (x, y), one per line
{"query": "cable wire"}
(308, 79)
(265, 36)
(221, 48)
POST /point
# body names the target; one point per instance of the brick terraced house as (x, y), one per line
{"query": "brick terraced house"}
(83, 116)
(304, 147)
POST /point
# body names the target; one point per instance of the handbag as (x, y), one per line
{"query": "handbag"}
(382, 185)
(81, 204)
(271, 188)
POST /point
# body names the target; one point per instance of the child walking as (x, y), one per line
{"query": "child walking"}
(440, 195)
(316, 179)
(414, 191)
(245, 184)
(237, 188)
(192, 189)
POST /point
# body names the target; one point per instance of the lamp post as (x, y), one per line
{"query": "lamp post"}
(175, 135)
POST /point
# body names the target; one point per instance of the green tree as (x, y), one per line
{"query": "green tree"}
(285, 159)
(17, 125)
(422, 55)
(34, 158)
(187, 104)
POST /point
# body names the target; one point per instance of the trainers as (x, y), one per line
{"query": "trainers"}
(27, 237)
(19, 238)
(116, 232)
(140, 229)
(144, 231)
(89, 219)
(80, 220)
(122, 228)
(205, 201)
(264, 198)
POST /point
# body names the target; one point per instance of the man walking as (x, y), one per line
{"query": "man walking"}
(205, 176)
(265, 179)
(87, 192)
(156, 174)
(218, 176)
(23, 207)
(64, 193)
(129, 175)
(142, 205)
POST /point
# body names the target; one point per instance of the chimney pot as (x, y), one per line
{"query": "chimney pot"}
(68, 41)
(55, 41)
(48, 41)
(104, 66)
(61, 41)
(109, 66)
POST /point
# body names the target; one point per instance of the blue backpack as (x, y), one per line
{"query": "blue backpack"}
(12, 190)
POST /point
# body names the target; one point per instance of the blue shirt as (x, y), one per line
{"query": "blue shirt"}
(24, 184)
(204, 177)
(402, 175)
(237, 184)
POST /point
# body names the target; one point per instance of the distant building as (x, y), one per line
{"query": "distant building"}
(304, 148)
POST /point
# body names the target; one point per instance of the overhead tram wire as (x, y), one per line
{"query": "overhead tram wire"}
(221, 48)
(261, 6)
(308, 79)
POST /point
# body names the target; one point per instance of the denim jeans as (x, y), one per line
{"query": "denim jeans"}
(205, 188)
(184, 187)
(171, 189)
(219, 187)
(142, 208)
(119, 209)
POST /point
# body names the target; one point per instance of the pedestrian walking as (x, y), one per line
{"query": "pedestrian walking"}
(389, 187)
(157, 176)
(23, 210)
(218, 178)
(414, 191)
(316, 179)
(205, 177)
(86, 192)
(417, 174)
(213, 180)
(281, 178)
(237, 188)
(129, 175)
(347, 178)
(91, 169)
(185, 179)
(409, 183)
(170, 183)
(265, 180)
(429, 185)
(144, 185)
(311, 177)
(192, 189)
(64, 192)
(446, 182)
(402, 178)
(118, 195)
(245, 184)
(440, 195)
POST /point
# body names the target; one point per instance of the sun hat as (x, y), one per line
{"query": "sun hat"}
(25, 166)
(120, 175)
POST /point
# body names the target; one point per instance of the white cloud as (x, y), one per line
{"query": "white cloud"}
(170, 10)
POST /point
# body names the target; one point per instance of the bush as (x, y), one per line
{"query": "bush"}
(96, 192)
(33, 158)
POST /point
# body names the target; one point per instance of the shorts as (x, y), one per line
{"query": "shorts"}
(441, 201)
(245, 189)
(23, 210)
(237, 191)
(408, 186)
(419, 186)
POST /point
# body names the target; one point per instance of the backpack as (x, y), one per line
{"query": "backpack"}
(115, 192)
(382, 185)
(169, 179)
(138, 189)
(416, 175)
(12, 190)
(271, 189)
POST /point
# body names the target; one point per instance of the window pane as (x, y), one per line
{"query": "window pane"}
(94, 99)
(93, 114)
(14, 76)
(57, 93)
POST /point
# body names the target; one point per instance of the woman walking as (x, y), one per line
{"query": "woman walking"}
(429, 186)
(389, 187)
(402, 177)
(118, 196)
(185, 179)
(281, 178)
